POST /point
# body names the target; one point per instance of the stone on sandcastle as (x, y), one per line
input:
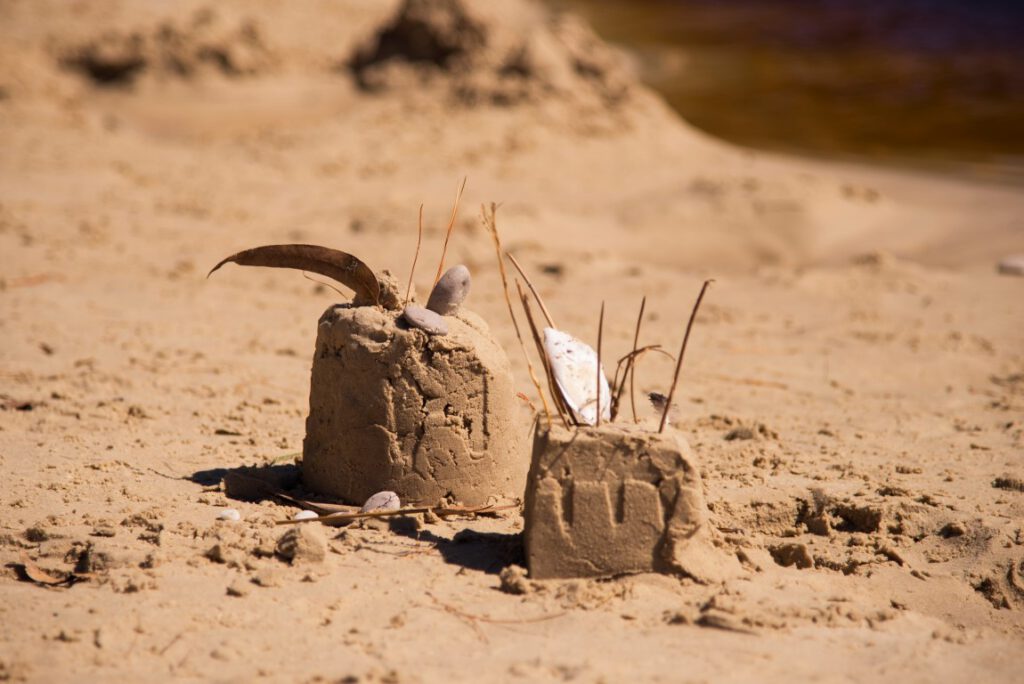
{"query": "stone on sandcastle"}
(615, 499)
(393, 407)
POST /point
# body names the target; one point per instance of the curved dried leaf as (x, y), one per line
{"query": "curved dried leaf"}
(337, 265)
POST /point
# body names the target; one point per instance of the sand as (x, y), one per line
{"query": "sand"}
(853, 389)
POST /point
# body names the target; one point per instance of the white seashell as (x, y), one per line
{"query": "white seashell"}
(229, 514)
(305, 515)
(381, 501)
(574, 365)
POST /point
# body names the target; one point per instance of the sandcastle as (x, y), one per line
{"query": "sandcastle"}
(606, 498)
(405, 400)
(609, 500)
(393, 407)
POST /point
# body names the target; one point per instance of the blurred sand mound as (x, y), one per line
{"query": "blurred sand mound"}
(203, 43)
(481, 57)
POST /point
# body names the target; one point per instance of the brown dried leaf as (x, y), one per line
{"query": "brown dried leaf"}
(340, 266)
(37, 574)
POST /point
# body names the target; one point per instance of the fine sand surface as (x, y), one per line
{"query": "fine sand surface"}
(854, 388)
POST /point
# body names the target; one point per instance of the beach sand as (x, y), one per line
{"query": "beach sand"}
(853, 392)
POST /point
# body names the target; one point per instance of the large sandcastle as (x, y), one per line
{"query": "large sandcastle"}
(404, 399)
(393, 407)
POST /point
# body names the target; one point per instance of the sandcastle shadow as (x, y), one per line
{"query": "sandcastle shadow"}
(250, 483)
(487, 552)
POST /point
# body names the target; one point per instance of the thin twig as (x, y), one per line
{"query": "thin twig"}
(441, 511)
(630, 360)
(536, 295)
(497, 621)
(632, 369)
(600, 334)
(491, 223)
(448, 233)
(553, 388)
(415, 257)
(320, 282)
(682, 351)
(470, 619)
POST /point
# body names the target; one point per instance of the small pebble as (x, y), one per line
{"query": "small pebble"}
(229, 514)
(305, 515)
(381, 501)
(451, 290)
(1011, 265)
(426, 320)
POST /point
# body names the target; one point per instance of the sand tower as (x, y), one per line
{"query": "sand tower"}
(393, 407)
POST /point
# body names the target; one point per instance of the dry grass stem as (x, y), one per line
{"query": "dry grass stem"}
(631, 369)
(448, 233)
(536, 295)
(626, 364)
(320, 282)
(556, 393)
(415, 257)
(441, 511)
(490, 220)
(682, 351)
(600, 335)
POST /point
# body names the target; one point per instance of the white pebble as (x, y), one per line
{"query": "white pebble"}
(229, 514)
(381, 501)
(305, 515)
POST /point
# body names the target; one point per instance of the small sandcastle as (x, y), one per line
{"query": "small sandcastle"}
(604, 496)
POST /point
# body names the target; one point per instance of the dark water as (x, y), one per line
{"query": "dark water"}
(936, 83)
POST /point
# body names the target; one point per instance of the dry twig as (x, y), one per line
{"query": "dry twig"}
(682, 351)
(556, 392)
(630, 360)
(415, 257)
(632, 370)
(440, 511)
(491, 223)
(448, 233)
(536, 295)
(600, 334)
(320, 282)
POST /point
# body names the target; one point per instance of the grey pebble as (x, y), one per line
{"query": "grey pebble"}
(426, 320)
(451, 290)
(1011, 265)
(381, 501)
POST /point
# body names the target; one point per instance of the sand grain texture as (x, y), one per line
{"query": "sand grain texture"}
(853, 388)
